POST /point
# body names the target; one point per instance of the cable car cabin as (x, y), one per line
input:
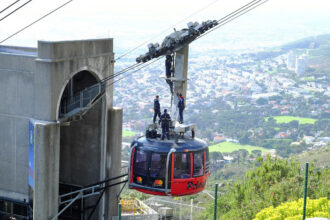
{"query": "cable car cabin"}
(169, 168)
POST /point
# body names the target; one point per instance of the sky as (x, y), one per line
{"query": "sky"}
(132, 22)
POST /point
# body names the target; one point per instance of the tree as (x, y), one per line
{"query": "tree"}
(243, 153)
(262, 101)
(294, 124)
(256, 153)
(216, 156)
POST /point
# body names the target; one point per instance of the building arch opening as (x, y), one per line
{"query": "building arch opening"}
(80, 147)
(70, 99)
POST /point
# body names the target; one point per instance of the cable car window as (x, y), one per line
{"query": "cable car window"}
(198, 164)
(182, 165)
(158, 165)
(140, 163)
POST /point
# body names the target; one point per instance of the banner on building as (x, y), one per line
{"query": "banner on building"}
(31, 157)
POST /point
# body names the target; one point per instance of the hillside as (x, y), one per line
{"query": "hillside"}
(320, 157)
(272, 183)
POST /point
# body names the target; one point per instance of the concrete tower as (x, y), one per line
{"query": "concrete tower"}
(39, 155)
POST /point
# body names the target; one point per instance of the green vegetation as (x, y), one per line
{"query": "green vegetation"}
(319, 157)
(309, 78)
(128, 133)
(293, 210)
(273, 182)
(229, 147)
(288, 119)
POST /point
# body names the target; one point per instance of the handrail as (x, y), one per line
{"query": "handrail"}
(167, 166)
(82, 98)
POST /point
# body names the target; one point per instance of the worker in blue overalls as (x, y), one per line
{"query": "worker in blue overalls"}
(168, 71)
(156, 108)
(181, 107)
(165, 124)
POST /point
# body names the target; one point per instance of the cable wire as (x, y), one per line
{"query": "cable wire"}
(165, 30)
(134, 71)
(49, 13)
(251, 3)
(224, 20)
(260, 2)
(9, 6)
(121, 71)
(15, 10)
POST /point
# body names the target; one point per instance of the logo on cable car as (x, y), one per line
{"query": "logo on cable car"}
(198, 185)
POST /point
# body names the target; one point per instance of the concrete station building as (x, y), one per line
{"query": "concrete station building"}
(42, 156)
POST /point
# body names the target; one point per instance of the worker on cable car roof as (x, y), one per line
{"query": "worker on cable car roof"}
(165, 124)
(156, 108)
(181, 107)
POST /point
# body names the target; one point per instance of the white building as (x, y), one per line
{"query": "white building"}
(301, 64)
(291, 61)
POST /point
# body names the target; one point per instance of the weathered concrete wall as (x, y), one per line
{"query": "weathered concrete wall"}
(113, 158)
(16, 107)
(46, 169)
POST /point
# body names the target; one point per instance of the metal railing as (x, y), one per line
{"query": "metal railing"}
(82, 100)
(96, 189)
(14, 209)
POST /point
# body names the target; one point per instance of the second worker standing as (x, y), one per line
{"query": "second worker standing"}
(156, 109)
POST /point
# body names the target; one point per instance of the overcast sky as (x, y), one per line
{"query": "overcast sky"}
(130, 22)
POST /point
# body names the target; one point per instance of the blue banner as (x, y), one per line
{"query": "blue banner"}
(31, 154)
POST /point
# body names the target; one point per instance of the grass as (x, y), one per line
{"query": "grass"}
(309, 79)
(128, 133)
(288, 119)
(229, 147)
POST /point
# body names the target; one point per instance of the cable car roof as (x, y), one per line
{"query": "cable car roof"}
(160, 146)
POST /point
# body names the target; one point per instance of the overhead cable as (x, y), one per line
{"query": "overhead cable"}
(236, 15)
(134, 71)
(15, 10)
(9, 6)
(49, 13)
(121, 72)
(224, 20)
(165, 30)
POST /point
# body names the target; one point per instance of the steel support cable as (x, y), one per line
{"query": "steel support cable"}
(165, 30)
(227, 17)
(232, 18)
(104, 181)
(49, 13)
(121, 72)
(134, 71)
(133, 66)
(251, 3)
(127, 69)
(15, 10)
(9, 6)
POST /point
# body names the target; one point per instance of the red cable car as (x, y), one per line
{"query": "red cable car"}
(169, 168)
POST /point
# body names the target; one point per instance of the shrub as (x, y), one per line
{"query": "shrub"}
(293, 210)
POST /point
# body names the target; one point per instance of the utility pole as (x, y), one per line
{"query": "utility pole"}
(191, 208)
